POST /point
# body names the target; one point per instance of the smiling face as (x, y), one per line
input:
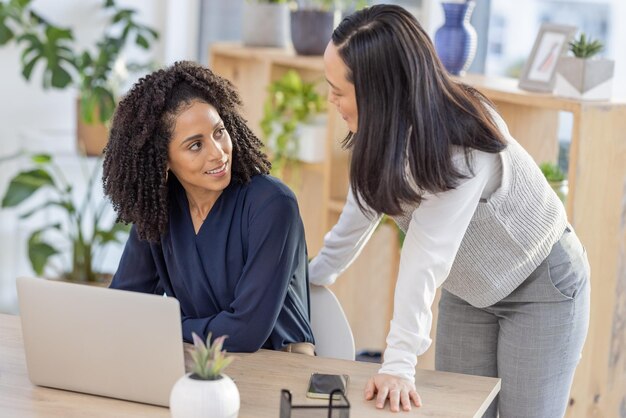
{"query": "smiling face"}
(342, 93)
(200, 151)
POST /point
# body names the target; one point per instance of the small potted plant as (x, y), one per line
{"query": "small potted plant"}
(556, 179)
(266, 23)
(312, 25)
(83, 228)
(584, 75)
(206, 391)
(294, 122)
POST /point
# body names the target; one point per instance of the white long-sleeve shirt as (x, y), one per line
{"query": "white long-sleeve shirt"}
(433, 237)
(484, 238)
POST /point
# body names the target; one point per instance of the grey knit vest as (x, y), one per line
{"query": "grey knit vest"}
(509, 235)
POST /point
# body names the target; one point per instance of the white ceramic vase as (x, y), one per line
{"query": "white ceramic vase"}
(194, 398)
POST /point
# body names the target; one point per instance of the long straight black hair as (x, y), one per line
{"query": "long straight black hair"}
(411, 114)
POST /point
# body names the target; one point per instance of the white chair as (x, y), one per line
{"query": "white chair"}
(333, 336)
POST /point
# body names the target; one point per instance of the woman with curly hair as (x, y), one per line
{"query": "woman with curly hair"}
(210, 226)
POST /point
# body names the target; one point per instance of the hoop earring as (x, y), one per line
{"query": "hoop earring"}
(167, 173)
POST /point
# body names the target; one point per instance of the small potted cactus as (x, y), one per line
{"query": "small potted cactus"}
(584, 75)
(206, 391)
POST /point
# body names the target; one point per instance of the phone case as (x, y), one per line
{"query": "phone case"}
(320, 385)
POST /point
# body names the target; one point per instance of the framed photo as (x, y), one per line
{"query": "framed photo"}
(540, 68)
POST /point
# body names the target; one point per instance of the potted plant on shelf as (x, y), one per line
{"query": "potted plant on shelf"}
(85, 230)
(266, 23)
(556, 179)
(294, 122)
(313, 21)
(64, 65)
(312, 25)
(206, 391)
(584, 75)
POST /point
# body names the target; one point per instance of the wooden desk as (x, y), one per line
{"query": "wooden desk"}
(259, 377)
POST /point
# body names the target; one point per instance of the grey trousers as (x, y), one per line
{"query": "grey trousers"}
(532, 339)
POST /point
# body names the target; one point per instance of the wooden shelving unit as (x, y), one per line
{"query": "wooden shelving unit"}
(596, 207)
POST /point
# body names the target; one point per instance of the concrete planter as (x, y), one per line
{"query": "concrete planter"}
(311, 30)
(266, 25)
(588, 79)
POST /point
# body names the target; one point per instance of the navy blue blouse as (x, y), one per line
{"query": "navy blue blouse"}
(244, 274)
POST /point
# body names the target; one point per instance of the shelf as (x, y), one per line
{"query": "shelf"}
(281, 56)
(506, 90)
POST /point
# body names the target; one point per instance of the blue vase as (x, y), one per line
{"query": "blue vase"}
(455, 41)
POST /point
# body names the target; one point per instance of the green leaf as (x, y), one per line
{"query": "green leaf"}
(585, 47)
(23, 3)
(142, 42)
(37, 18)
(112, 235)
(106, 103)
(55, 34)
(124, 14)
(24, 185)
(28, 68)
(552, 172)
(85, 60)
(41, 158)
(87, 107)
(60, 77)
(68, 206)
(6, 34)
(52, 49)
(154, 33)
(39, 252)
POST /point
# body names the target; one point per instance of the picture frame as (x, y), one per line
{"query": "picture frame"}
(539, 71)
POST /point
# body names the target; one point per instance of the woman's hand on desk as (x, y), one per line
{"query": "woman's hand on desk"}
(399, 391)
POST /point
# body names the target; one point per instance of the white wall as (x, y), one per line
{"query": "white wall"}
(35, 119)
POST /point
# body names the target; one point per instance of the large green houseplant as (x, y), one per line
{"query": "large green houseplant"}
(64, 64)
(84, 231)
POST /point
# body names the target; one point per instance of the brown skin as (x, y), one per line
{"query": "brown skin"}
(200, 155)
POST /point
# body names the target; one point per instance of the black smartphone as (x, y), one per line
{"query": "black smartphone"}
(321, 385)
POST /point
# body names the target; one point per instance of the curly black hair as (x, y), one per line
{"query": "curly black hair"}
(135, 160)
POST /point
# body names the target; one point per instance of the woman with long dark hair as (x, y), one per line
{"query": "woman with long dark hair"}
(210, 226)
(480, 221)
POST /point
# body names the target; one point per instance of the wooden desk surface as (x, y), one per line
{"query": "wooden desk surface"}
(259, 377)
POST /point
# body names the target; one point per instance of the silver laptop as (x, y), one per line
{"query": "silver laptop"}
(106, 342)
